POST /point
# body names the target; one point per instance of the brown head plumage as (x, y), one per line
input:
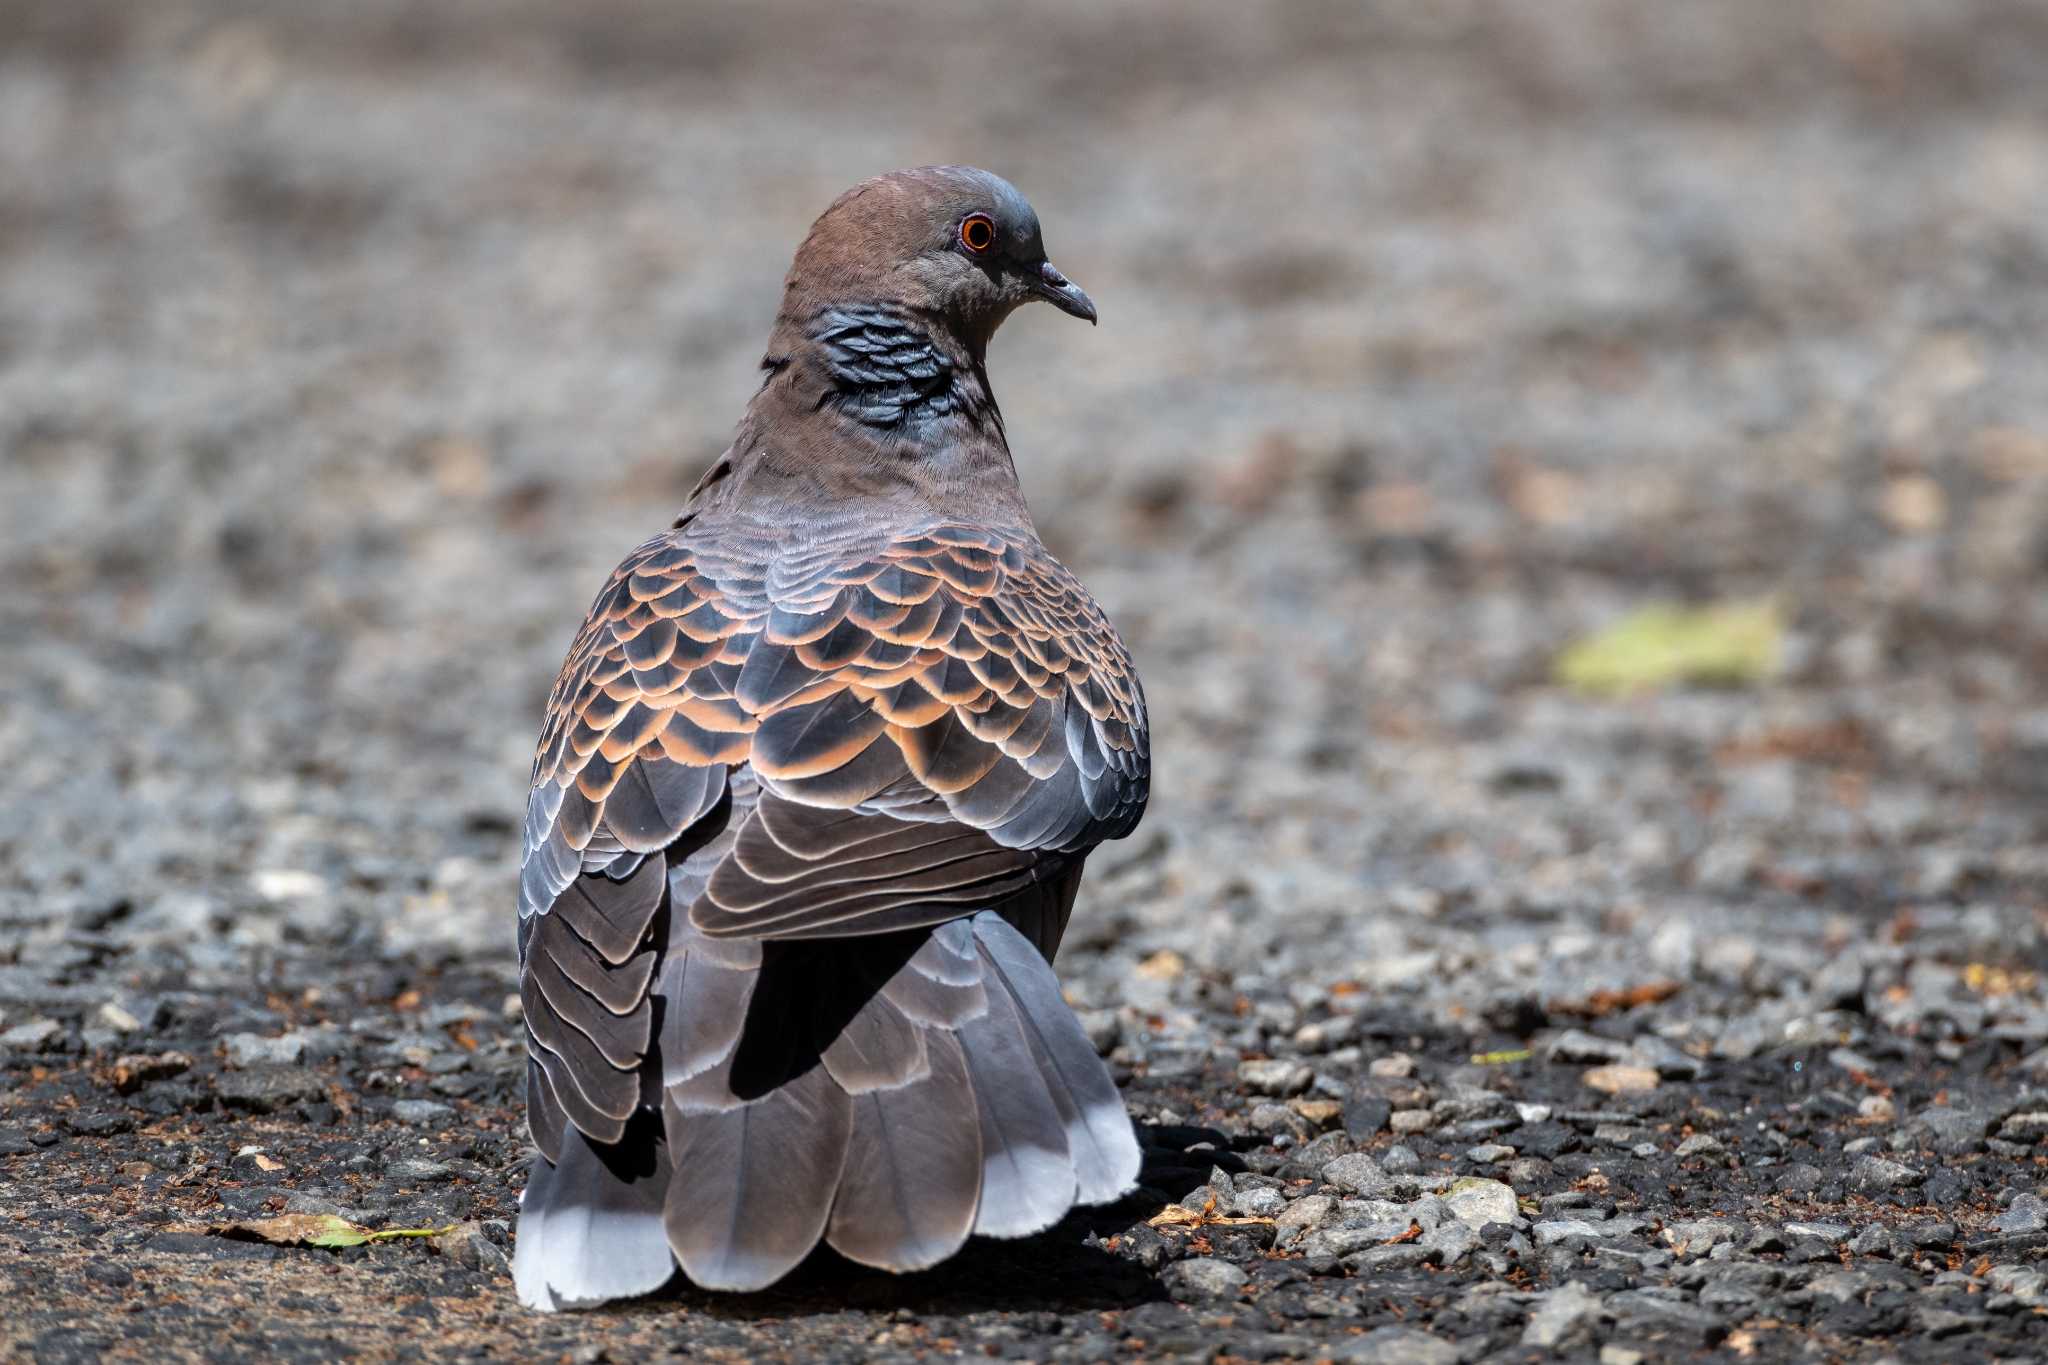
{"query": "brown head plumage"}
(877, 393)
(957, 246)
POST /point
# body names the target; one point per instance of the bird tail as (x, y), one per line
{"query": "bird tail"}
(590, 1225)
(888, 1096)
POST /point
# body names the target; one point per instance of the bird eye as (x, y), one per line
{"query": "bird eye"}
(977, 232)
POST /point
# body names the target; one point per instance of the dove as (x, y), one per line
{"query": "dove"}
(812, 798)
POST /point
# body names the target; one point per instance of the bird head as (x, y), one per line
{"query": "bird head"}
(956, 244)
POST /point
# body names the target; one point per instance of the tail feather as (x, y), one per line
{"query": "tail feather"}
(889, 1097)
(1028, 1181)
(590, 1223)
(913, 1170)
(1100, 1139)
(753, 1186)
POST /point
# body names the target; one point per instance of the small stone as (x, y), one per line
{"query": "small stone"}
(1395, 1346)
(1490, 1154)
(2028, 1127)
(1278, 1118)
(1408, 1122)
(1877, 1174)
(1764, 1241)
(1400, 1159)
(1954, 1132)
(2025, 1214)
(34, 1036)
(1875, 1109)
(312, 1203)
(1935, 1236)
(1875, 1240)
(1832, 1233)
(1620, 1080)
(1347, 1240)
(2028, 1286)
(1669, 1062)
(1700, 1236)
(1942, 1322)
(1800, 1178)
(1611, 1354)
(1700, 1145)
(1393, 1066)
(1365, 1115)
(1356, 1174)
(467, 1244)
(108, 1273)
(1301, 1215)
(1260, 1201)
(136, 1070)
(421, 1111)
(251, 1049)
(1326, 1034)
(1320, 1113)
(265, 1090)
(1204, 1279)
(1534, 1113)
(1274, 1076)
(1553, 1231)
(1478, 1202)
(112, 1016)
(287, 883)
(1567, 1312)
(1379, 1259)
(1451, 1242)
(1662, 1312)
(1839, 984)
(1578, 1047)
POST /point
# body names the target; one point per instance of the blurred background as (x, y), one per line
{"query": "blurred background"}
(344, 349)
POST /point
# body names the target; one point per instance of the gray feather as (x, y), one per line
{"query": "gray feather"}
(1099, 1134)
(589, 1231)
(753, 1186)
(913, 1169)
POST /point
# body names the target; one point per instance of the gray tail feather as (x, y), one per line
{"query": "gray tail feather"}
(901, 1095)
(590, 1225)
(1100, 1150)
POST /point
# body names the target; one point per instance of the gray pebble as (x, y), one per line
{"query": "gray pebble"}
(1275, 1076)
(252, 1049)
(1562, 1317)
(1395, 1346)
(2025, 1214)
(1203, 1279)
(1876, 1174)
(1356, 1173)
(421, 1111)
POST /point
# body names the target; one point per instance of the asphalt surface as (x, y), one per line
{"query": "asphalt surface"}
(1467, 1015)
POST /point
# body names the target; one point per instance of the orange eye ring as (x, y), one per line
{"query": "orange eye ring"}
(977, 233)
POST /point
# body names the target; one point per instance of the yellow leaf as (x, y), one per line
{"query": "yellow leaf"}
(1732, 644)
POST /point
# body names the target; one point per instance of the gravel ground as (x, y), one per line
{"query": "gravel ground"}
(344, 349)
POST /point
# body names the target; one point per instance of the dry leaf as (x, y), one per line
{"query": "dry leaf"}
(1179, 1216)
(313, 1230)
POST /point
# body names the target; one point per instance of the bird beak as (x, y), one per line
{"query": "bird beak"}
(1062, 293)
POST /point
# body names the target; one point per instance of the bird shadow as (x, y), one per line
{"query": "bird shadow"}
(1063, 1269)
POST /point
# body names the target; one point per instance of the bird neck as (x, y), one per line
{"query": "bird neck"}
(873, 403)
(887, 368)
